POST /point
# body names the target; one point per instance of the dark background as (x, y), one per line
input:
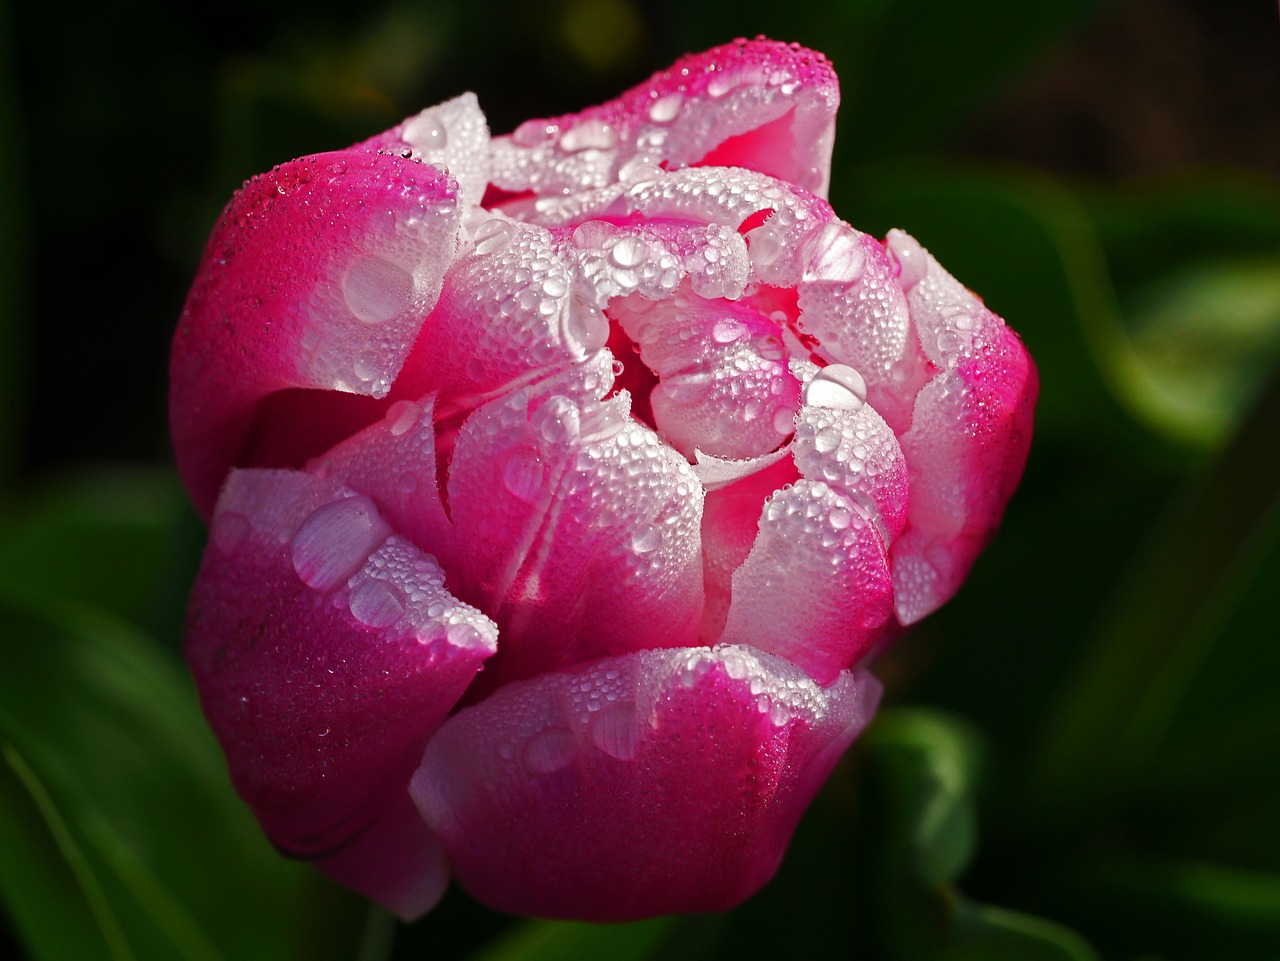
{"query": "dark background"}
(1088, 734)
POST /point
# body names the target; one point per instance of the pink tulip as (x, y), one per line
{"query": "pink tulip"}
(561, 483)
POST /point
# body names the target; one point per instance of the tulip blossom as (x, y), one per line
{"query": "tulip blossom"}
(560, 485)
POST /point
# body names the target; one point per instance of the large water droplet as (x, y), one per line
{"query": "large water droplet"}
(614, 731)
(666, 109)
(376, 290)
(492, 235)
(646, 539)
(727, 330)
(584, 327)
(837, 387)
(826, 440)
(335, 541)
(426, 133)
(402, 415)
(629, 252)
(558, 420)
(532, 133)
(550, 750)
(522, 473)
(590, 133)
(913, 262)
(377, 603)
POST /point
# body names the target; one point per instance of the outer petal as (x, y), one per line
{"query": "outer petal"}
(970, 432)
(326, 651)
(752, 103)
(663, 781)
(318, 276)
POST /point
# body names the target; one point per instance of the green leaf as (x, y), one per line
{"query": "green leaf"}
(106, 748)
(930, 764)
(985, 933)
(573, 941)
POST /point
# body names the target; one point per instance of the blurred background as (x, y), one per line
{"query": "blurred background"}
(1079, 757)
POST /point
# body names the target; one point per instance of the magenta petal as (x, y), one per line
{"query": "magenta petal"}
(317, 276)
(659, 782)
(753, 103)
(326, 651)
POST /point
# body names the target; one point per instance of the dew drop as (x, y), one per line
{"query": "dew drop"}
(426, 133)
(666, 109)
(614, 731)
(593, 234)
(784, 420)
(376, 290)
(465, 636)
(334, 542)
(402, 415)
(646, 539)
(522, 473)
(492, 235)
(826, 440)
(840, 518)
(550, 750)
(533, 133)
(629, 252)
(377, 603)
(588, 134)
(727, 330)
(837, 387)
(719, 85)
(584, 328)
(558, 420)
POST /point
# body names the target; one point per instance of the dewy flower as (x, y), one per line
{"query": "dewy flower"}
(561, 483)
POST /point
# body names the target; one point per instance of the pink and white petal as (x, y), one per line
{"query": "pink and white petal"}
(326, 651)
(842, 440)
(394, 461)
(815, 588)
(752, 103)
(658, 782)
(577, 528)
(317, 276)
(730, 523)
(851, 301)
(970, 433)
(724, 385)
(454, 133)
(508, 314)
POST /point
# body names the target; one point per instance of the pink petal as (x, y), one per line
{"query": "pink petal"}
(577, 528)
(969, 437)
(815, 588)
(662, 781)
(326, 651)
(317, 276)
(752, 103)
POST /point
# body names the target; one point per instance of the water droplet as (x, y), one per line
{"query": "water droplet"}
(666, 109)
(335, 541)
(719, 85)
(840, 518)
(533, 133)
(836, 387)
(646, 539)
(784, 420)
(558, 420)
(402, 415)
(555, 285)
(593, 234)
(492, 235)
(826, 440)
(522, 473)
(629, 252)
(426, 132)
(913, 262)
(376, 290)
(614, 730)
(727, 330)
(465, 636)
(377, 603)
(584, 327)
(229, 531)
(550, 750)
(591, 133)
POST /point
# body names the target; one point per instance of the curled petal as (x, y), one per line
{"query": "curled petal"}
(326, 651)
(969, 437)
(577, 528)
(815, 588)
(752, 103)
(662, 781)
(317, 276)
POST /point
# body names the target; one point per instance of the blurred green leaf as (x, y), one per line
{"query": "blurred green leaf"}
(573, 941)
(930, 763)
(124, 541)
(104, 736)
(985, 933)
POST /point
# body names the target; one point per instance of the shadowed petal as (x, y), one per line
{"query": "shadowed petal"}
(326, 651)
(317, 276)
(659, 782)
